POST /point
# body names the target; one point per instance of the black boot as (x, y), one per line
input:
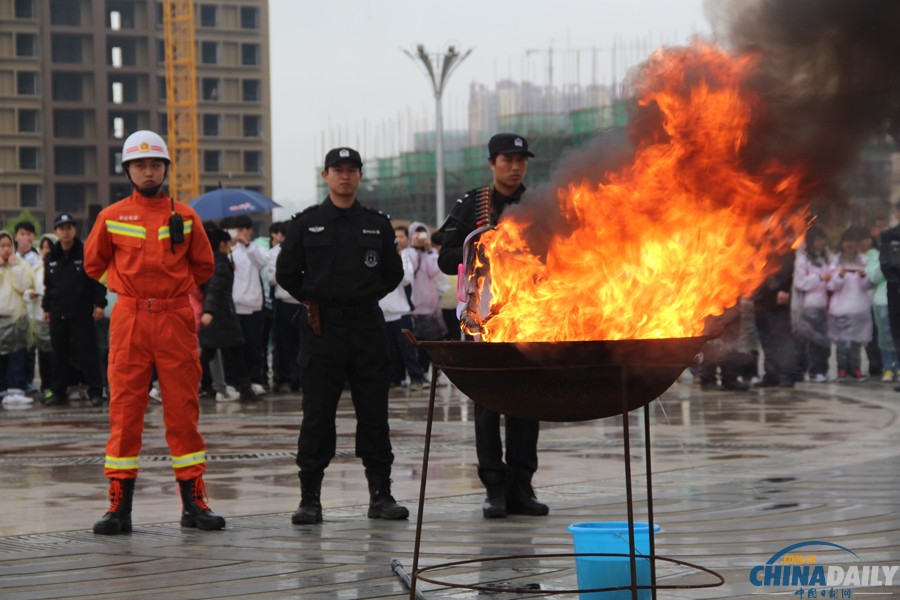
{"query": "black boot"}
(521, 499)
(381, 504)
(195, 511)
(494, 506)
(310, 510)
(118, 518)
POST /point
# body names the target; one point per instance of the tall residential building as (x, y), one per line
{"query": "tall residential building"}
(77, 76)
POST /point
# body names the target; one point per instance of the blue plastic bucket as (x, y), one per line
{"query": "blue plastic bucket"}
(611, 571)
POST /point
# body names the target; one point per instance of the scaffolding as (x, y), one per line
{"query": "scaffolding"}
(403, 186)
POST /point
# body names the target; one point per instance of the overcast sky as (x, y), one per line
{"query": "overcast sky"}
(337, 68)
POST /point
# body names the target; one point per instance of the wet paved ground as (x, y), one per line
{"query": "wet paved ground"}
(737, 477)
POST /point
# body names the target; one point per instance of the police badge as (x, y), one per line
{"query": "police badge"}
(371, 259)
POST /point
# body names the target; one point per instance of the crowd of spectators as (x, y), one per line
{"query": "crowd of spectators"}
(247, 324)
(822, 298)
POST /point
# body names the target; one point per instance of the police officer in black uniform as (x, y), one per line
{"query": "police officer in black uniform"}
(508, 485)
(339, 258)
(72, 302)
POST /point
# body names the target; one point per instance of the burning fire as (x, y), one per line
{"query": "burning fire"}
(680, 234)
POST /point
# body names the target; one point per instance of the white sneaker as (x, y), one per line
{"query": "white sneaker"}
(17, 398)
(155, 393)
(442, 379)
(229, 395)
(258, 389)
(820, 378)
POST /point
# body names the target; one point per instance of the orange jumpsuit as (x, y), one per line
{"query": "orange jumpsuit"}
(152, 323)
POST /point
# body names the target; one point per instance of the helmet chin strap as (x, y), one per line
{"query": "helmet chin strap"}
(147, 192)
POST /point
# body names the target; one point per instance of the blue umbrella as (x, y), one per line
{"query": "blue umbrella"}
(228, 202)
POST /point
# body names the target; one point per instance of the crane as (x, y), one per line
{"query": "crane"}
(549, 53)
(181, 99)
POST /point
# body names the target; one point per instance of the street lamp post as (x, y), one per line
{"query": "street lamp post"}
(438, 68)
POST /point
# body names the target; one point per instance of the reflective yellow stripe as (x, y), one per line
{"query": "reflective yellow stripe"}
(122, 462)
(126, 229)
(164, 230)
(188, 460)
(103, 277)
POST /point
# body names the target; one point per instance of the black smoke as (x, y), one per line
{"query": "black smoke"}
(829, 78)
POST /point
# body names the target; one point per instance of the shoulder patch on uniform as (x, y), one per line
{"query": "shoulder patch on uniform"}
(377, 212)
(305, 210)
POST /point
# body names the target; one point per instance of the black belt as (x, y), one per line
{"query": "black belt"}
(347, 312)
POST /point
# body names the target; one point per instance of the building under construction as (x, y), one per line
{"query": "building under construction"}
(554, 122)
(404, 185)
(77, 76)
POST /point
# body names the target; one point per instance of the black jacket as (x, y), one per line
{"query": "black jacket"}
(462, 222)
(890, 256)
(225, 330)
(69, 292)
(765, 297)
(339, 257)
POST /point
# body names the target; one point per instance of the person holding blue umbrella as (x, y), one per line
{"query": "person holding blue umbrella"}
(230, 202)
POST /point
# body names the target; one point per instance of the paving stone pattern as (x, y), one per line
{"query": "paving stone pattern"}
(737, 477)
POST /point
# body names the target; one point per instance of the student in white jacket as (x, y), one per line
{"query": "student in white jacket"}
(428, 286)
(285, 329)
(850, 305)
(396, 309)
(249, 259)
(16, 277)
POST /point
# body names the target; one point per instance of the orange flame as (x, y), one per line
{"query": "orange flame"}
(680, 234)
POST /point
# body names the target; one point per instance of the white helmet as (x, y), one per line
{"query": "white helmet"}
(144, 144)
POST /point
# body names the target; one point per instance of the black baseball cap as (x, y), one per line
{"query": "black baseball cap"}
(507, 143)
(62, 219)
(336, 155)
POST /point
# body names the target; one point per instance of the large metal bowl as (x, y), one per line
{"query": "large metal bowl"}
(563, 381)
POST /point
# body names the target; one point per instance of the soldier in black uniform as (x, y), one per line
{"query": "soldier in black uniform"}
(339, 258)
(509, 489)
(72, 302)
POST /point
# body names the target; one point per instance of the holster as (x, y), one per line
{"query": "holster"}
(313, 317)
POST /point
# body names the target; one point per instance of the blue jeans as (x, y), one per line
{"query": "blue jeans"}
(286, 337)
(404, 358)
(848, 356)
(12, 370)
(254, 346)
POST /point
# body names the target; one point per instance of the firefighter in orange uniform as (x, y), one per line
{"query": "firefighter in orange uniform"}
(152, 252)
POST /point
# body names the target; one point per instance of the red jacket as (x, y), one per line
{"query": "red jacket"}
(129, 249)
